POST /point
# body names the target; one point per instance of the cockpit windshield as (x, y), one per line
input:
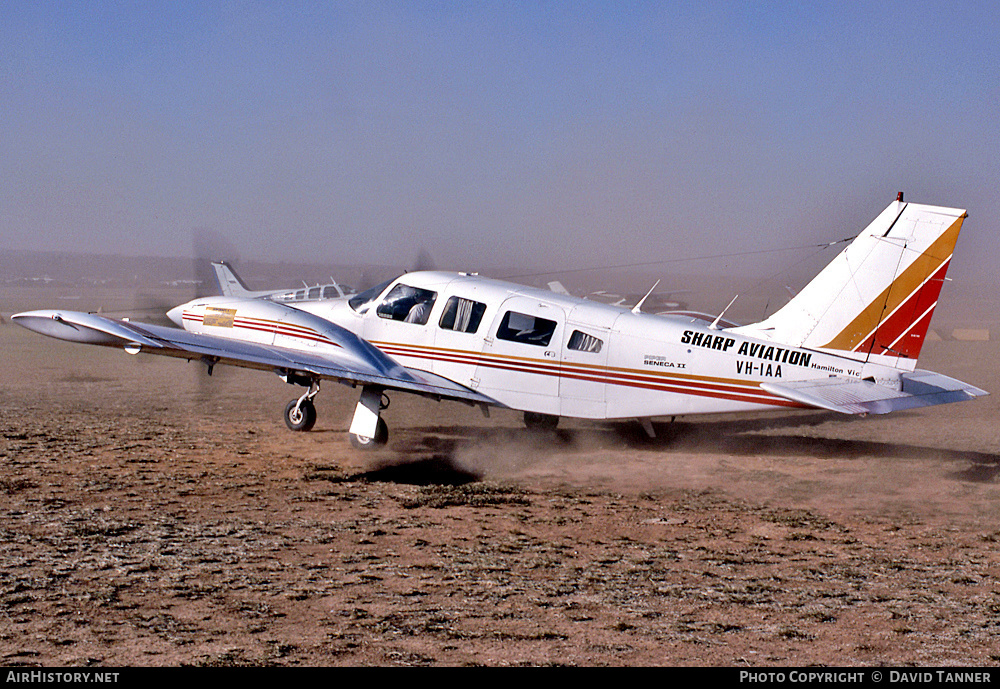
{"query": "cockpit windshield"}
(362, 301)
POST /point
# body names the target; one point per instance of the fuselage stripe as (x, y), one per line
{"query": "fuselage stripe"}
(731, 390)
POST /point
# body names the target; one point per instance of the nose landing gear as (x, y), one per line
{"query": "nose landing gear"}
(300, 414)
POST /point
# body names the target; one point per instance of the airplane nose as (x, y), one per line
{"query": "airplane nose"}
(176, 314)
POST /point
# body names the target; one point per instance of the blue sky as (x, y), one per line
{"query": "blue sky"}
(561, 134)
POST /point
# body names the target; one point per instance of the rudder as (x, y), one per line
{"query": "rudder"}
(874, 301)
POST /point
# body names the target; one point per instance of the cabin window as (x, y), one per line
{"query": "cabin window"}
(300, 295)
(408, 304)
(330, 292)
(582, 342)
(314, 292)
(520, 327)
(462, 315)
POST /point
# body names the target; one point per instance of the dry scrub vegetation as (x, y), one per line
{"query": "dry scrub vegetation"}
(151, 519)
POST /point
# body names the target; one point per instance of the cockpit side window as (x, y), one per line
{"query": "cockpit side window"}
(362, 301)
(521, 327)
(408, 304)
(462, 315)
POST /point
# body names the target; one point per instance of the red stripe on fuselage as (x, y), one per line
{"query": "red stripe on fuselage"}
(730, 390)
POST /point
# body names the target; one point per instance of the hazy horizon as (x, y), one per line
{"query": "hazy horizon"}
(545, 135)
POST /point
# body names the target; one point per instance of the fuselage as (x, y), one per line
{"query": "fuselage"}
(540, 351)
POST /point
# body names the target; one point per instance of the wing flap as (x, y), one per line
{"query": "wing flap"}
(852, 396)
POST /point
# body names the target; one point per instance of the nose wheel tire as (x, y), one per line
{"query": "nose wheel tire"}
(360, 442)
(301, 419)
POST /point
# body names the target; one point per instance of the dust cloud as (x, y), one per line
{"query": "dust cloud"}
(182, 520)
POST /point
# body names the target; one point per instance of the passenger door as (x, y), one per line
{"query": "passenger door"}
(458, 335)
(521, 355)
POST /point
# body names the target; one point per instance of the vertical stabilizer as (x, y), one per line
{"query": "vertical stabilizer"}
(229, 282)
(874, 301)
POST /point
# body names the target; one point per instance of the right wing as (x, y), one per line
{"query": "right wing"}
(352, 360)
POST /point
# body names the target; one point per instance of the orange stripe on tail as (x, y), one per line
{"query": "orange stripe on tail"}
(896, 322)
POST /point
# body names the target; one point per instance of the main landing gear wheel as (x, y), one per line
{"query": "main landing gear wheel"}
(300, 415)
(360, 442)
(540, 422)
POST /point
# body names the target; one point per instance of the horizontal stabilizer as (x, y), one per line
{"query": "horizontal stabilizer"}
(853, 396)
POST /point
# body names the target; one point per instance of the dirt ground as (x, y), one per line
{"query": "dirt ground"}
(155, 516)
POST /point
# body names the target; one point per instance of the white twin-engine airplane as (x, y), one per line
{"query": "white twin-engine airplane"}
(848, 342)
(231, 286)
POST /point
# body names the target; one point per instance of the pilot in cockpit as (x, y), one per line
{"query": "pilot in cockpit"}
(407, 304)
(420, 311)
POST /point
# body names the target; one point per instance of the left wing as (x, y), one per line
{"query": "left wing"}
(853, 396)
(354, 361)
